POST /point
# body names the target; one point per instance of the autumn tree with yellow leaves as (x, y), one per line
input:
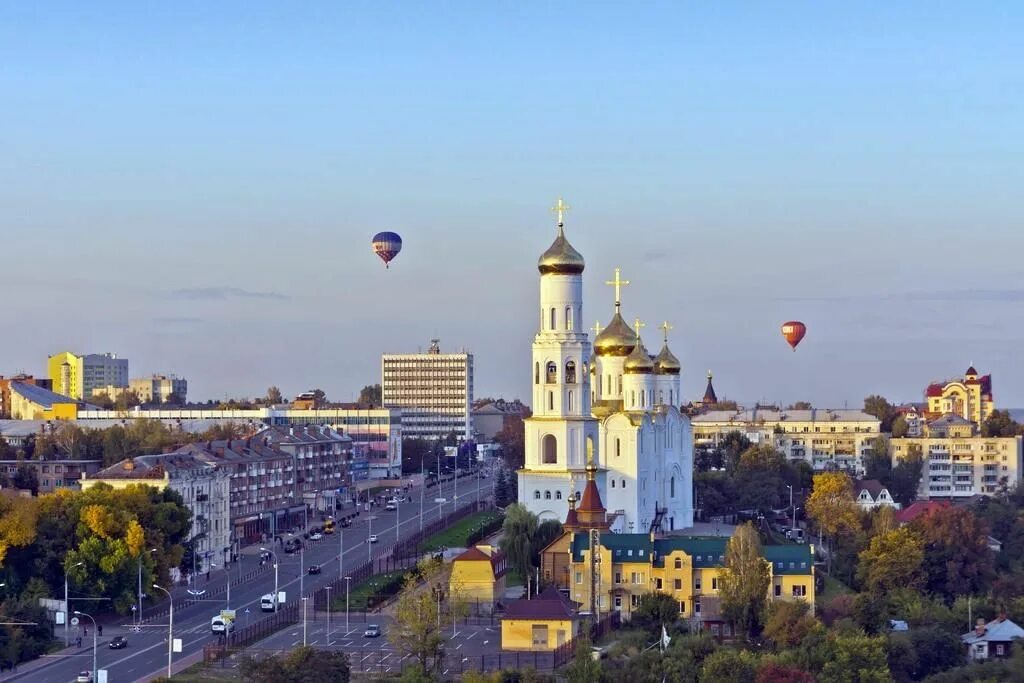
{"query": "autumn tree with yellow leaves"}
(833, 506)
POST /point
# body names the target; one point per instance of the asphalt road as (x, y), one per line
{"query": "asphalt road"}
(146, 653)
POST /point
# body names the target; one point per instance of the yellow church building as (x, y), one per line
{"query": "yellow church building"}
(970, 397)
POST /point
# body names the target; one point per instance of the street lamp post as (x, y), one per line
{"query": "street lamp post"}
(369, 532)
(170, 629)
(67, 641)
(792, 519)
(304, 602)
(328, 589)
(266, 550)
(302, 570)
(423, 490)
(348, 579)
(152, 550)
(83, 614)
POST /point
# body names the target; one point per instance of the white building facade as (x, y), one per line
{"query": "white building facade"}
(611, 404)
(434, 391)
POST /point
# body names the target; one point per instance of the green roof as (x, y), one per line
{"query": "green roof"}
(706, 551)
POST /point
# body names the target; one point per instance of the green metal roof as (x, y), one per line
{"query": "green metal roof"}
(789, 559)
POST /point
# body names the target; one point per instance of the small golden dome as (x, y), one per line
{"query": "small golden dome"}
(561, 258)
(666, 363)
(638, 362)
(618, 339)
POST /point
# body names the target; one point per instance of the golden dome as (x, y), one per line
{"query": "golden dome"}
(638, 362)
(561, 258)
(618, 339)
(666, 363)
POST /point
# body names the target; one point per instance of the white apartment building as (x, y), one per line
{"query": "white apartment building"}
(434, 391)
(824, 438)
(958, 463)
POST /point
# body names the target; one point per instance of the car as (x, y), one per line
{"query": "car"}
(391, 507)
(372, 631)
(84, 677)
(313, 569)
(118, 642)
(373, 538)
(316, 537)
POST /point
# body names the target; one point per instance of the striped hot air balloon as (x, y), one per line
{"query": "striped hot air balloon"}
(387, 245)
(794, 331)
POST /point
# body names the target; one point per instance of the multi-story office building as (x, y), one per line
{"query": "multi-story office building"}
(434, 390)
(158, 388)
(958, 463)
(827, 439)
(77, 376)
(204, 486)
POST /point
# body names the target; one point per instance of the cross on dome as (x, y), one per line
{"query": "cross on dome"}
(618, 283)
(559, 209)
(597, 328)
(637, 324)
(666, 327)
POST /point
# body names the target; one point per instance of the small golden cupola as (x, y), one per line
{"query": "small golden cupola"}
(561, 258)
(639, 361)
(617, 339)
(666, 363)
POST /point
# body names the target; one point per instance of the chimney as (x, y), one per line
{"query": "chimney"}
(979, 628)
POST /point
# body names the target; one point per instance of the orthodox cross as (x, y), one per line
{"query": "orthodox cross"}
(637, 324)
(597, 329)
(559, 209)
(618, 282)
(666, 327)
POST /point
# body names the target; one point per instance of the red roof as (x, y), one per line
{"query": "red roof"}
(971, 371)
(919, 508)
(934, 390)
(591, 498)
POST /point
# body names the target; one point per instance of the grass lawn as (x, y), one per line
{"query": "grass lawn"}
(360, 592)
(455, 535)
(833, 587)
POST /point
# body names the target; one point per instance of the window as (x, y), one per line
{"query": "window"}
(714, 583)
(799, 591)
(540, 631)
(613, 483)
(778, 590)
(558, 495)
(570, 402)
(672, 487)
(552, 325)
(618, 447)
(696, 606)
(682, 607)
(570, 372)
(1000, 649)
(552, 373)
(536, 373)
(638, 578)
(696, 583)
(568, 318)
(547, 495)
(550, 449)
(657, 584)
(623, 482)
(618, 602)
(618, 577)
(536, 495)
(679, 584)
(634, 601)
(679, 563)
(579, 577)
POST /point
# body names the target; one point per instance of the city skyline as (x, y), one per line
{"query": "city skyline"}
(196, 189)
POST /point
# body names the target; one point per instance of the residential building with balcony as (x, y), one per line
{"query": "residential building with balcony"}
(53, 474)
(827, 439)
(204, 488)
(76, 376)
(958, 463)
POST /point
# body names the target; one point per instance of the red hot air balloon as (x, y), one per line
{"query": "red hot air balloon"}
(794, 331)
(387, 245)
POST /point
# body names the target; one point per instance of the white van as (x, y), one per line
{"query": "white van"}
(267, 602)
(221, 625)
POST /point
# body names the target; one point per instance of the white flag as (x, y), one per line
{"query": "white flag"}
(665, 640)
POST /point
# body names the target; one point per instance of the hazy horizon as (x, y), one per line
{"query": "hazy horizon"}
(195, 187)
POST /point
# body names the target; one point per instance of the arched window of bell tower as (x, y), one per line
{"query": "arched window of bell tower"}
(568, 318)
(549, 448)
(536, 372)
(552, 326)
(570, 372)
(552, 373)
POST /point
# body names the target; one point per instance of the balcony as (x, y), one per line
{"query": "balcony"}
(202, 497)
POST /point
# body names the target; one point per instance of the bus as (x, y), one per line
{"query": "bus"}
(329, 526)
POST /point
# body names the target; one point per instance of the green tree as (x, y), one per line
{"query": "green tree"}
(655, 611)
(744, 580)
(127, 399)
(370, 396)
(583, 668)
(905, 478)
(788, 623)
(900, 427)
(733, 445)
(512, 439)
(877, 461)
(773, 672)
(273, 396)
(547, 533)
(517, 540)
(856, 658)
(832, 505)
(102, 400)
(878, 407)
(26, 479)
(415, 630)
(174, 399)
(730, 666)
(957, 559)
(801, 405)
(999, 423)
(892, 560)
(504, 493)
(758, 478)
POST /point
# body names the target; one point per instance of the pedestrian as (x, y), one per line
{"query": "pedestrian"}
(99, 629)
(78, 641)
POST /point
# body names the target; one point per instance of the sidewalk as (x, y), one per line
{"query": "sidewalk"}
(26, 668)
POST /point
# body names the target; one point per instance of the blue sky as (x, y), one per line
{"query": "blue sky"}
(194, 186)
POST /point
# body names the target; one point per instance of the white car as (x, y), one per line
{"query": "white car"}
(84, 677)
(316, 537)
(373, 538)
(391, 507)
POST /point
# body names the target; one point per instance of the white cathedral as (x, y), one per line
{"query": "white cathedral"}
(613, 404)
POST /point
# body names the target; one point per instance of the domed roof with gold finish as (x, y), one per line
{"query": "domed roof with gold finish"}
(638, 362)
(666, 363)
(561, 258)
(617, 339)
